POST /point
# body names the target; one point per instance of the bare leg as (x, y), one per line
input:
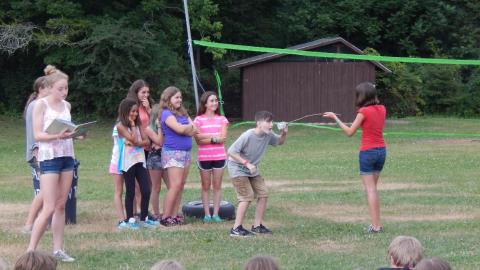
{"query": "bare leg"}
(49, 185)
(242, 209)
(117, 197)
(206, 177)
(185, 171)
(259, 211)
(175, 182)
(35, 208)
(217, 189)
(370, 186)
(156, 180)
(58, 220)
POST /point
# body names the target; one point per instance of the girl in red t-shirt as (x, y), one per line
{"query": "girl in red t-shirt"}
(371, 118)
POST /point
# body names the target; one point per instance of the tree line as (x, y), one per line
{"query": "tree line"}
(106, 45)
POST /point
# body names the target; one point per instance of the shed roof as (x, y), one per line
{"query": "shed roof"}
(304, 46)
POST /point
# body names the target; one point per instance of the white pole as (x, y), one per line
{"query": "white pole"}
(190, 51)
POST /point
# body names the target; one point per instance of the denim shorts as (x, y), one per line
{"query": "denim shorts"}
(175, 158)
(211, 164)
(372, 160)
(57, 165)
(154, 160)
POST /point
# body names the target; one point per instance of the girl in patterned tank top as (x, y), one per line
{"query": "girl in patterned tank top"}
(56, 156)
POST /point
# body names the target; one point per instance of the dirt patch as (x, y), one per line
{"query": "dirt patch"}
(355, 213)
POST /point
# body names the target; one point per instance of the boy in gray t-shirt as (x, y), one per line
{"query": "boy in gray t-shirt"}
(244, 156)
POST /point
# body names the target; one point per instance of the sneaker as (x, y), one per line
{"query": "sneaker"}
(207, 218)
(372, 229)
(240, 232)
(148, 223)
(261, 229)
(60, 255)
(217, 219)
(122, 225)
(27, 229)
(169, 222)
(132, 224)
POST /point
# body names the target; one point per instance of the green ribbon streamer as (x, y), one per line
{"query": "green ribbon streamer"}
(337, 55)
(392, 133)
(219, 89)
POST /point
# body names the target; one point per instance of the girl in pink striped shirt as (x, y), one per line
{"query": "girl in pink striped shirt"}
(211, 152)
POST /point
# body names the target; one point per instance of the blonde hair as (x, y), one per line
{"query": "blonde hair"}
(165, 103)
(262, 263)
(433, 263)
(167, 265)
(154, 115)
(52, 75)
(35, 260)
(405, 251)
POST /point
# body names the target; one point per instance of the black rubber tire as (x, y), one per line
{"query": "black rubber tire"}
(195, 209)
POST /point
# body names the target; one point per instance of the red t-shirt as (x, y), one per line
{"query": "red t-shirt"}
(372, 126)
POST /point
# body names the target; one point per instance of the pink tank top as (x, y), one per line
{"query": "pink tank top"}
(56, 148)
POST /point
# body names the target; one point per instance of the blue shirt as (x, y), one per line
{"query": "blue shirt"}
(173, 140)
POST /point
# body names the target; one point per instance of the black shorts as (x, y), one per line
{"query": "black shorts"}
(211, 164)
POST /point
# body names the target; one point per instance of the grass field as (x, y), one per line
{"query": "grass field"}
(429, 189)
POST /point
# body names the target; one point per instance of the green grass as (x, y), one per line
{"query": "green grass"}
(429, 189)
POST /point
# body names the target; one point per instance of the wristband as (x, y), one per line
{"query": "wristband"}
(337, 120)
(245, 162)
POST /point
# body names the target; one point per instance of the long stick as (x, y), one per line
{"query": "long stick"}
(190, 52)
(308, 115)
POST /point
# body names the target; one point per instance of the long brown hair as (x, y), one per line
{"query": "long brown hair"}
(124, 111)
(203, 102)
(135, 88)
(40, 82)
(366, 95)
(165, 103)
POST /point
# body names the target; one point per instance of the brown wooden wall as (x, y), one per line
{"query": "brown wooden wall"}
(293, 89)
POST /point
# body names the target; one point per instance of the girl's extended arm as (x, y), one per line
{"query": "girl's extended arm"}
(156, 138)
(38, 134)
(144, 139)
(349, 130)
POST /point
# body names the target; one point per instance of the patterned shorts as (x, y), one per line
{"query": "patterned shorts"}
(175, 158)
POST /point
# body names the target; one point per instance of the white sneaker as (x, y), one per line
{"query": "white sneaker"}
(60, 255)
(27, 229)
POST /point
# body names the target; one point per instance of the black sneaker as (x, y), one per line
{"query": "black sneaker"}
(240, 232)
(261, 229)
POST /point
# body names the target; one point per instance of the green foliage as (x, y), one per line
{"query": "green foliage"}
(105, 45)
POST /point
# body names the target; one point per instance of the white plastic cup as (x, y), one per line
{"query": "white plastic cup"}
(281, 125)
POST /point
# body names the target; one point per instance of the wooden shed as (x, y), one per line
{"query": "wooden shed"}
(292, 86)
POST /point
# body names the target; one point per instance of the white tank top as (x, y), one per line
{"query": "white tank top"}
(56, 148)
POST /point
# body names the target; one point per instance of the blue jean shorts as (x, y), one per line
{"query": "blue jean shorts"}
(57, 165)
(154, 160)
(372, 160)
